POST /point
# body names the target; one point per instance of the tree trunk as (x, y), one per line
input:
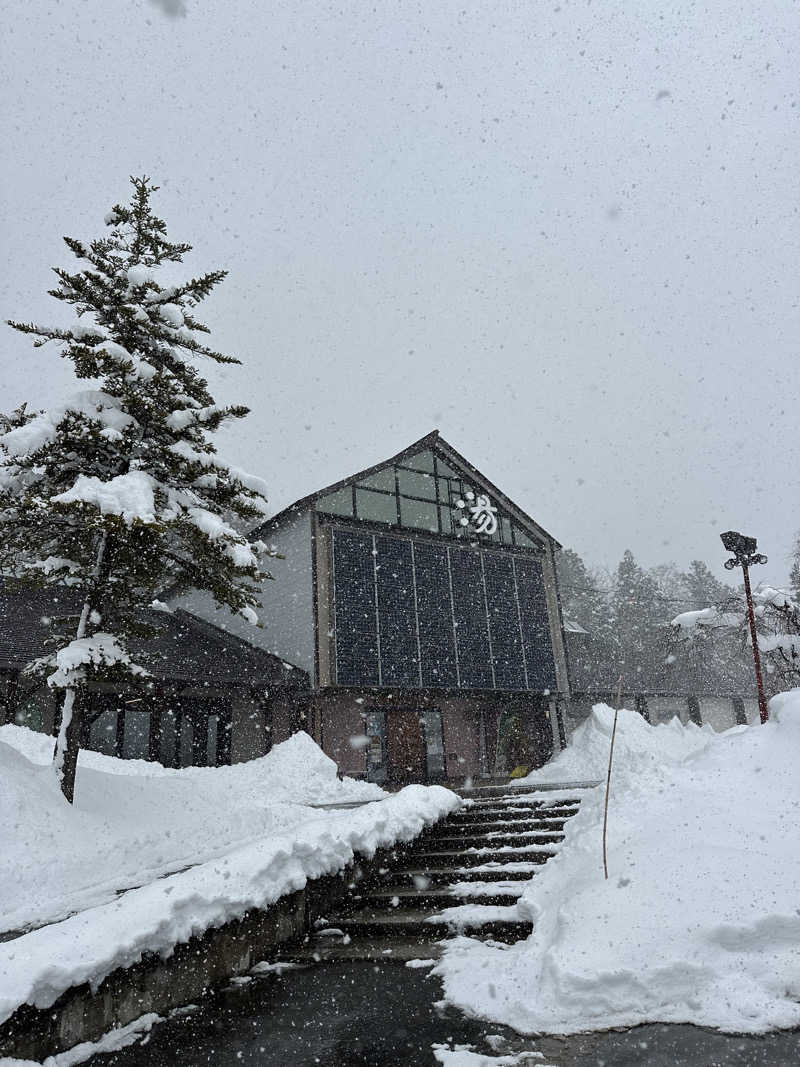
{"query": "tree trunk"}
(68, 742)
(73, 706)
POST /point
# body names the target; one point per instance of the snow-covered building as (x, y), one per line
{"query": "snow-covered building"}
(207, 699)
(423, 604)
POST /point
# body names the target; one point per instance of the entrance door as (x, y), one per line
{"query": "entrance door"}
(406, 745)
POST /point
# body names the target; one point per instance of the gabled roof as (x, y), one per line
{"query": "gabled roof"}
(436, 442)
(184, 649)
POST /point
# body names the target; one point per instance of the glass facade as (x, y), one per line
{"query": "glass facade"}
(418, 492)
(416, 613)
(178, 736)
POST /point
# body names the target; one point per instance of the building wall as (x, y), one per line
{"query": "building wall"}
(342, 712)
(556, 620)
(286, 615)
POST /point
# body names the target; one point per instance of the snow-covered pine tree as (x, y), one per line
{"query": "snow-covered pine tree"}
(118, 491)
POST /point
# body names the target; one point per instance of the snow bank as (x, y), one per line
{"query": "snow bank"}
(247, 830)
(698, 921)
(637, 745)
(134, 821)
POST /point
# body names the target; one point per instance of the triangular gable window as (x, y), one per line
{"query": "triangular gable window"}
(425, 492)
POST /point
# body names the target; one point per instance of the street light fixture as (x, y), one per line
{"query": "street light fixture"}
(745, 555)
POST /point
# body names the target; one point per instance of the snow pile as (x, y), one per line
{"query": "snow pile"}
(237, 837)
(699, 919)
(134, 821)
(637, 745)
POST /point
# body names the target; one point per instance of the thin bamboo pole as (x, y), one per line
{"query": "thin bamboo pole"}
(608, 779)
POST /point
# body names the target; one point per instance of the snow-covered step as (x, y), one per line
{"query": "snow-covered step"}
(500, 923)
(537, 837)
(487, 890)
(523, 871)
(541, 822)
(443, 896)
(514, 804)
(467, 857)
(425, 946)
(477, 916)
(495, 813)
(448, 875)
(540, 790)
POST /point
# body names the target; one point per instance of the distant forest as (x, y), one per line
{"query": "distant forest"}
(627, 615)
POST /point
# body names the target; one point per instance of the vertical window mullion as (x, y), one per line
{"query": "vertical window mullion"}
(437, 493)
(453, 618)
(335, 619)
(375, 597)
(519, 622)
(488, 620)
(416, 613)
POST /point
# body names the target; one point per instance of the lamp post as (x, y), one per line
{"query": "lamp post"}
(744, 556)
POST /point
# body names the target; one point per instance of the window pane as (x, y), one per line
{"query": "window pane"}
(354, 608)
(419, 515)
(103, 733)
(435, 616)
(185, 756)
(396, 614)
(136, 743)
(382, 480)
(434, 743)
(445, 468)
(376, 507)
(535, 624)
(509, 668)
(169, 737)
(522, 538)
(421, 461)
(472, 632)
(211, 753)
(338, 503)
(376, 749)
(36, 711)
(446, 519)
(413, 484)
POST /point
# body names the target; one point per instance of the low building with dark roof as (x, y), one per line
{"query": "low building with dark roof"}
(210, 698)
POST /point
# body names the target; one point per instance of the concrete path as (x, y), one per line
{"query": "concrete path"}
(363, 1014)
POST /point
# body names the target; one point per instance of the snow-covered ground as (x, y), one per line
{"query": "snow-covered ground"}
(135, 821)
(235, 837)
(699, 920)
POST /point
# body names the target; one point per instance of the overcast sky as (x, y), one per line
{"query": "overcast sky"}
(564, 233)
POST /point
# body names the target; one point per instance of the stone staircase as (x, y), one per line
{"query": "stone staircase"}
(463, 875)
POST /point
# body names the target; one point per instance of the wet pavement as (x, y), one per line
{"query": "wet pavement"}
(362, 1014)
